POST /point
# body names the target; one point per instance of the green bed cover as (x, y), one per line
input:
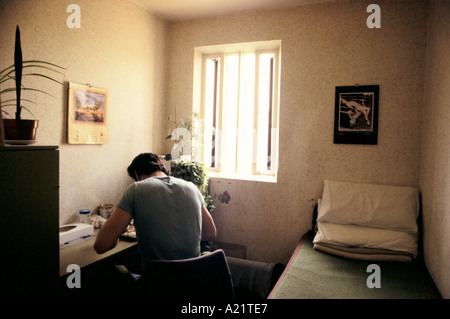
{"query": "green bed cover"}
(313, 274)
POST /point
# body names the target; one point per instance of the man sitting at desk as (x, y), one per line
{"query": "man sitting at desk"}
(169, 214)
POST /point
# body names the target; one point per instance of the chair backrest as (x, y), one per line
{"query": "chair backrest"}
(204, 277)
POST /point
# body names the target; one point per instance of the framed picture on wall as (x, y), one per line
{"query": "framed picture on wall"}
(87, 114)
(356, 115)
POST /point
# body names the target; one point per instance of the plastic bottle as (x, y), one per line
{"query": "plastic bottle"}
(83, 216)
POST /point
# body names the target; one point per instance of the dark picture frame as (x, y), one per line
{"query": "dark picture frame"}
(356, 114)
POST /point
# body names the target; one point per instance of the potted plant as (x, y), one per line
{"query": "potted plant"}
(18, 130)
(186, 167)
(196, 173)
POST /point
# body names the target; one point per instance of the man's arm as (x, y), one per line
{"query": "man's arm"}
(109, 234)
(209, 231)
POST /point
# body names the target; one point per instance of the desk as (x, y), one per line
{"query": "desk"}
(83, 254)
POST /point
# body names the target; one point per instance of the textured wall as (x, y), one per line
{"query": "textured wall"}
(119, 47)
(434, 177)
(323, 46)
(123, 48)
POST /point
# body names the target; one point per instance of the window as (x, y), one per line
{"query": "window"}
(239, 108)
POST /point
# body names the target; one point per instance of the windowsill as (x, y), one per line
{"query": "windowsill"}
(254, 178)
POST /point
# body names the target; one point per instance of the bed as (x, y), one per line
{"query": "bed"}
(363, 245)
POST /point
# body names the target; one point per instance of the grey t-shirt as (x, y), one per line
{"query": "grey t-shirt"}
(167, 217)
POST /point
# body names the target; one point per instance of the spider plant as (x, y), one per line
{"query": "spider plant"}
(14, 73)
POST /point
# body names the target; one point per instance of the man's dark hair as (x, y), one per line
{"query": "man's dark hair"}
(146, 164)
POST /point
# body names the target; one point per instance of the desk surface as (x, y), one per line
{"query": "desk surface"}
(83, 254)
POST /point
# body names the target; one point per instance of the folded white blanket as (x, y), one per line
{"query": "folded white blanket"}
(366, 237)
(357, 215)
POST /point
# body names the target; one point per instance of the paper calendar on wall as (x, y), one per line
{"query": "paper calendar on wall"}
(87, 114)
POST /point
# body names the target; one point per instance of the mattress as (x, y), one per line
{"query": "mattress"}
(314, 274)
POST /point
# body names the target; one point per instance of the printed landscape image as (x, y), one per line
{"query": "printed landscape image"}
(89, 107)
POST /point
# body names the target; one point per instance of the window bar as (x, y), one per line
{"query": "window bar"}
(269, 137)
(237, 111)
(213, 138)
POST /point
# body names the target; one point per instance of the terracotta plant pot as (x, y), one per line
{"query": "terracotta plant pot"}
(20, 130)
